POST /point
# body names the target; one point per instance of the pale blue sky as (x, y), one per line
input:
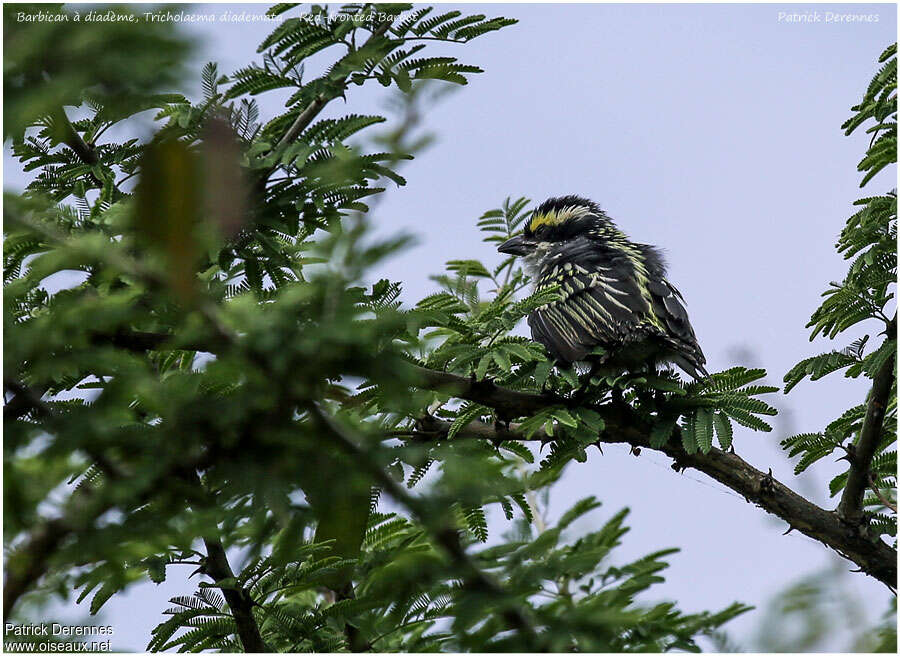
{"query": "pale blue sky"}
(712, 131)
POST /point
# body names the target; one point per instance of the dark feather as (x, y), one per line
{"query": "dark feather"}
(603, 303)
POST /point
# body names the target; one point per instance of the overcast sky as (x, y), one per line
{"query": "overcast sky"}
(712, 131)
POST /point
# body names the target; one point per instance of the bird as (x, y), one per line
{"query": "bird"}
(612, 293)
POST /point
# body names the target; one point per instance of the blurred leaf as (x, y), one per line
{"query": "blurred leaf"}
(168, 210)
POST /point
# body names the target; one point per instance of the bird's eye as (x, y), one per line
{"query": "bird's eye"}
(541, 232)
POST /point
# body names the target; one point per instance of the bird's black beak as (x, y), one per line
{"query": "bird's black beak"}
(517, 246)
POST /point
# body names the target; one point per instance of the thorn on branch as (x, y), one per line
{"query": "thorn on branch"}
(767, 483)
(849, 453)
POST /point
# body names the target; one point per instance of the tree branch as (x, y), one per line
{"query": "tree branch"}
(42, 543)
(508, 403)
(431, 428)
(216, 566)
(68, 135)
(29, 561)
(874, 557)
(138, 341)
(850, 506)
(24, 399)
(239, 600)
(46, 538)
(355, 640)
(444, 533)
(302, 121)
(312, 110)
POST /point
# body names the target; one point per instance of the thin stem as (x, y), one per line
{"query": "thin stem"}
(873, 485)
(67, 133)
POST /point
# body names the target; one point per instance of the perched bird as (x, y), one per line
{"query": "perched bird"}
(614, 293)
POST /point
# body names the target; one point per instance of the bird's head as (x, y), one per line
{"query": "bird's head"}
(555, 221)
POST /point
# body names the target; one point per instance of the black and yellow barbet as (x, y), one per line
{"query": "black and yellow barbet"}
(613, 293)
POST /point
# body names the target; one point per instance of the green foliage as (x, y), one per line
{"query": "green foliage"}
(404, 601)
(219, 373)
(814, 612)
(718, 399)
(149, 58)
(866, 296)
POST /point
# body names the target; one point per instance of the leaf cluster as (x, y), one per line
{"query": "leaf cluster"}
(866, 296)
(182, 314)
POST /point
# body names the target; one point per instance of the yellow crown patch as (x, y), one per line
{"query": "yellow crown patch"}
(558, 217)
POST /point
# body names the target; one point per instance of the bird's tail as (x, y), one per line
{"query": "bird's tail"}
(689, 365)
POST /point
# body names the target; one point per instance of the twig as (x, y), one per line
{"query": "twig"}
(29, 561)
(441, 530)
(312, 110)
(85, 152)
(873, 485)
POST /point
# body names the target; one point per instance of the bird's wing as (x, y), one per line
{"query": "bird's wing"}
(668, 306)
(601, 303)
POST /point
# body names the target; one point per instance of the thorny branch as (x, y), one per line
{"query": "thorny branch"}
(850, 506)
(873, 557)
